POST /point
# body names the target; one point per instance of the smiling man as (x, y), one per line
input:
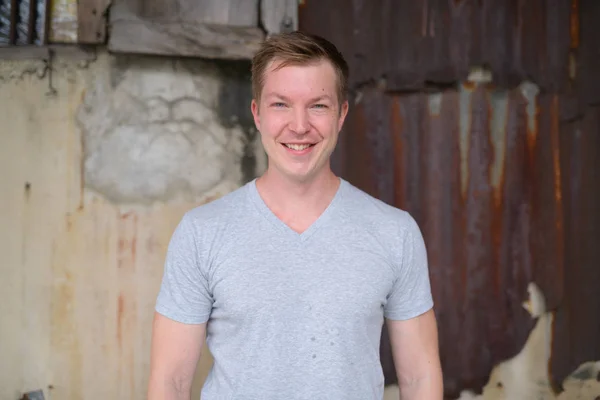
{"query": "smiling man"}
(289, 278)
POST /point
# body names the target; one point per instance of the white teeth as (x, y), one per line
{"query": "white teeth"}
(298, 147)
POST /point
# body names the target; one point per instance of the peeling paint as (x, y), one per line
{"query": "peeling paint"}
(530, 92)
(435, 104)
(525, 376)
(479, 75)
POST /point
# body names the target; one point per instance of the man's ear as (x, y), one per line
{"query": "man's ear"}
(343, 113)
(255, 113)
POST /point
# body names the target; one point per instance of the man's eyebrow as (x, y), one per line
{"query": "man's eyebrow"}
(282, 97)
(323, 97)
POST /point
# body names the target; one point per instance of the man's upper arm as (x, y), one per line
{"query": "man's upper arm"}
(183, 307)
(410, 295)
(185, 294)
(416, 354)
(411, 321)
(175, 351)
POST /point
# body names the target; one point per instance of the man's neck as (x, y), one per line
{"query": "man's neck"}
(297, 203)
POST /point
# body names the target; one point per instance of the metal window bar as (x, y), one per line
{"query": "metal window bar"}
(24, 22)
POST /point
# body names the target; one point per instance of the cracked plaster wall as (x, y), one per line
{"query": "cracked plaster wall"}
(157, 129)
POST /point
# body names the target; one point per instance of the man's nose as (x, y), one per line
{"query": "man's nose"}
(300, 124)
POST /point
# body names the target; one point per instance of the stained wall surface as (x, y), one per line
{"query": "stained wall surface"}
(100, 160)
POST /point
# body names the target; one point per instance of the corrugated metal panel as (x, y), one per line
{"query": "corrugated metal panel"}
(438, 41)
(577, 326)
(486, 173)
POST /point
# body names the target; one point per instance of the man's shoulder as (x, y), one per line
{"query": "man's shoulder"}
(219, 209)
(368, 209)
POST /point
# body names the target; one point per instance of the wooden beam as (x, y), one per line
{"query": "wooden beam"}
(217, 12)
(91, 21)
(279, 15)
(132, 34)
(24, 53)
(35, 52)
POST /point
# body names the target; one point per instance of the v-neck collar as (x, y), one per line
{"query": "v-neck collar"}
(282, 226)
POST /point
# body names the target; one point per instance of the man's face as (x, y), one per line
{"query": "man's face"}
(299, 118)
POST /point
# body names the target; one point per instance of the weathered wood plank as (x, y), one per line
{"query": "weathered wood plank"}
(221, 12)
(24, 53)
(132, 34)
(43, 52)
(91, 16)
(279, 15)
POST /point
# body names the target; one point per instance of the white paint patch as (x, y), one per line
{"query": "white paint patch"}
(155, 134)
(435, 104)
(530, 92)
(480, 75)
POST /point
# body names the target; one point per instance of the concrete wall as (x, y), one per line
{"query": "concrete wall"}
(99, 161)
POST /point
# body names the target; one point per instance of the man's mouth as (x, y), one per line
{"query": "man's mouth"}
(298, 147)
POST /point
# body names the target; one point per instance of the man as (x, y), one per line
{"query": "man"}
(290, 277)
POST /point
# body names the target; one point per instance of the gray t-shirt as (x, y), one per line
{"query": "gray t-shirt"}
(295, 316)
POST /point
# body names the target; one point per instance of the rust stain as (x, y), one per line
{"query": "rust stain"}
(574, 24)
(120, 311)
(81, 171)
(127, 231)
(555, 143)
(499, 111)
(396, 131)
(127, 241)
(65, 331)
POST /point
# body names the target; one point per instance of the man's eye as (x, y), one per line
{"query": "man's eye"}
(320, 106)
(278, 104)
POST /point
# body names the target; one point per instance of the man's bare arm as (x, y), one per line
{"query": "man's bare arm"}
(175, 351)
(416, 357)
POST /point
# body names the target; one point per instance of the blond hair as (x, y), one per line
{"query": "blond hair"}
(298, 48)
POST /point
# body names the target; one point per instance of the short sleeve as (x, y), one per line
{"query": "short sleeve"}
(184, 291)
(411, 291)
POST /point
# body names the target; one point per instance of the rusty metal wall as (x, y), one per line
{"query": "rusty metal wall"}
(502, 177)
(412, 44)
(505, 195)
